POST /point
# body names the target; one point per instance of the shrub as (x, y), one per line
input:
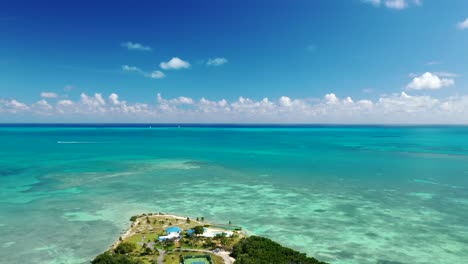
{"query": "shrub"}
(107, 258)
(198, 230)
(260, 250)
(148, 251)
(125, 248)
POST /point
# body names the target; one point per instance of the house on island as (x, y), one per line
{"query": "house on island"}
(173, 232)
(211, 232)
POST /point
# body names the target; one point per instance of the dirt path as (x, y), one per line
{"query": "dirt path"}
(161, 256)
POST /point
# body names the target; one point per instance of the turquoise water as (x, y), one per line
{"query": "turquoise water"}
(342, 194)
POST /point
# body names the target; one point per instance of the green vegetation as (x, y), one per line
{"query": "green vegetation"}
(141, 245)
(125, 248)
(108, 258)
(198, 230)
(260, 250)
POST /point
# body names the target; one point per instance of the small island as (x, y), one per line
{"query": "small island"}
(162, 238)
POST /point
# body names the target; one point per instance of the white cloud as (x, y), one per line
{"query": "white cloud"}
(216, 61)
(42, 107)
(175, 64)
(114, 98)
(394, 4)
(285, 101)
(16, 105)
(431, 63)
(463, 24)
(331, 98)
(429, 81)
(373, 2)
(152, 75)
(48, 95)
(94, 103)
(13, 106)
(43, 104)
(156, 75)
(128, 68)
(65, 102)
(402, 108)
(135, 46)
(446, 74)
(182, 100)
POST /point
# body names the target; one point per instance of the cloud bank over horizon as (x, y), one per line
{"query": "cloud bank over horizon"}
(401, 108)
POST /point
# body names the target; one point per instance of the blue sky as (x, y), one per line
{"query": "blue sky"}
(61, 52)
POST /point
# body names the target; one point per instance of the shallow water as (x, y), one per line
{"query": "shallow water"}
(341, 194)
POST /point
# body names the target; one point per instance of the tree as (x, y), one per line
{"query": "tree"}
(188, 220)
(198, 230)
(260, 250)
(203, 219)
(148, 251)
(107, 258)
(198, 219)
(167, 244)
(125, 248)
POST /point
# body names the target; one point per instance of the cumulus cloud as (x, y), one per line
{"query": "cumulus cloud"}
(394, 4)
(135, 46)
(114, 98)
(331, 98)
(463, 24)
(429, 81)
(175, 64)
(402, 108)
(13, 106)
(397, 4)
(93, 103)
(128, 68)
(65, 102)
(152, 75)
(216, 61)
(156, 75)
(48, 95)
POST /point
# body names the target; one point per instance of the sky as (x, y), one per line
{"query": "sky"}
(235, 61)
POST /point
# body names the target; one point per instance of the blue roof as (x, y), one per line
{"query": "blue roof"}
(190, 232)
(173, 229)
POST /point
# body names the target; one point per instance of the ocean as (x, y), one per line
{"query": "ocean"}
(342, 194)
